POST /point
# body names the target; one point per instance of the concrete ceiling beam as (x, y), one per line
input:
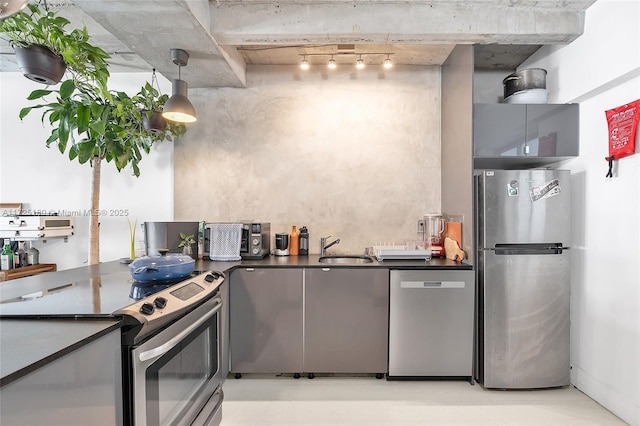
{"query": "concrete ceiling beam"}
(407, 22)
(143, 26)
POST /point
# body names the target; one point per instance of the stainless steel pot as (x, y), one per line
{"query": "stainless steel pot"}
(530, 78)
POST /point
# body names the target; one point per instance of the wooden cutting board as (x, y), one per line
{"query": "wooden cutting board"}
(25, 271)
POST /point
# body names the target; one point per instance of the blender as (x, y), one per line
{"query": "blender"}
(282, 244)
(434, 230)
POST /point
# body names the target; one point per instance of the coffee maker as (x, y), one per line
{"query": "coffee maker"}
(282, 244)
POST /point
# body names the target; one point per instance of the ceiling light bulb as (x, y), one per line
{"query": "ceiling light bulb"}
(332, 63)
(360, 63)
(387, 63)
(304, 64)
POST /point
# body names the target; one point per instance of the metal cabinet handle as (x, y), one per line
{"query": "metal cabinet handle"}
(166, 347)
(432, 284)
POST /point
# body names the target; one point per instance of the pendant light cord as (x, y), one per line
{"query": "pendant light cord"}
(154, 79)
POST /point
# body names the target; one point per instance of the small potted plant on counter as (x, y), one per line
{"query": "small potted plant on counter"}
(187, 241)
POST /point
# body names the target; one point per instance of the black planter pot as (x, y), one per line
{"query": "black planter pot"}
(40, 64)
(155, 124)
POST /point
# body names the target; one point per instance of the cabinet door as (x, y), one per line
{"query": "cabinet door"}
(552, 130)
(346, 320)
(265, 324)
(498, 130)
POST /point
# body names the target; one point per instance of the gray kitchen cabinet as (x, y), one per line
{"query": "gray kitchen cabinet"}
(265, 320)
(346, 320)
(524, 135)
(83, 387)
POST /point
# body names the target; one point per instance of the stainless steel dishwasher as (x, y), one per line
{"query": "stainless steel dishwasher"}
(431, 324)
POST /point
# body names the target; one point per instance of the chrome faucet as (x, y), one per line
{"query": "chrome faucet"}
(324, 246)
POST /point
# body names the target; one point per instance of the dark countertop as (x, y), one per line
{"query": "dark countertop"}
(29, 344)
(311, 261)
(26, 347)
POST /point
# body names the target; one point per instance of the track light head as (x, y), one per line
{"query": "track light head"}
(304, 64)
(387, 63)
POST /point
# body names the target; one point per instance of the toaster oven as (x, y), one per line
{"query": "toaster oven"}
(255, 242)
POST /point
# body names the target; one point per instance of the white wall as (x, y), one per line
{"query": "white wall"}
(43, 179)
(601, 70)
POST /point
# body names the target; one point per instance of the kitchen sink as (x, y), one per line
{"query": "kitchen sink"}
(345, 259)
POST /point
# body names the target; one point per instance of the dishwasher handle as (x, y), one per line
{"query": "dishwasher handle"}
(432, 284)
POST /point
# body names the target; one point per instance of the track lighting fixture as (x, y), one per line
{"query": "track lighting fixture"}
(178, 107)
(333, 64)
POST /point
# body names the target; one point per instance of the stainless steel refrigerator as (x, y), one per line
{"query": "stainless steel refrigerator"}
(523, 224)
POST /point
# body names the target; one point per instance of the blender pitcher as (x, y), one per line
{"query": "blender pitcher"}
(435, 229)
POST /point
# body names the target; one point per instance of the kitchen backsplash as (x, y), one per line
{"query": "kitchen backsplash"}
(351, 155)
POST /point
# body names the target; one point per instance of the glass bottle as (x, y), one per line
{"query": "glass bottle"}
(20, 259)
(6, 257)
(33, 254)
(294, 240)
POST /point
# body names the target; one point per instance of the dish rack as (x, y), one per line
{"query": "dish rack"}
(400, 252)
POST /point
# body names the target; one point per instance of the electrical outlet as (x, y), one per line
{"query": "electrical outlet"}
(421, 226)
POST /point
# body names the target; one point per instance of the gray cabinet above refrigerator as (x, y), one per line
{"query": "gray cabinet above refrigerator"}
(521, 136)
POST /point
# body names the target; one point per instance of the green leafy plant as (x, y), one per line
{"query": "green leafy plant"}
(149, 100)
(89, 122)
(37, 26)
(186, 240)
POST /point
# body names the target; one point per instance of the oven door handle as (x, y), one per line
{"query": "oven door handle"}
(166, 347)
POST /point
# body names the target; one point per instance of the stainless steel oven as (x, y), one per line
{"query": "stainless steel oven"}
(175, 368)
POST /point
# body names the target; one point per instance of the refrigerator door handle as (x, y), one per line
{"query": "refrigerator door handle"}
(528, 249)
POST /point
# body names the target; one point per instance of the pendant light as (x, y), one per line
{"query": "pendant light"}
(178, 107)
(9, 8)
(360, 63)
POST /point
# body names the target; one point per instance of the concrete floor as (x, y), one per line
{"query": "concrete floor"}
(270, 400)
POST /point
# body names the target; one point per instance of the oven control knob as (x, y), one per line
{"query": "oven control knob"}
(255, 251)
(147, 309)
(210, 278)
(160, 302)
(256, 241)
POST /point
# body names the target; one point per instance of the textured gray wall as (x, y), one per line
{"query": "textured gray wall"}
(457, 138)
(352, 155)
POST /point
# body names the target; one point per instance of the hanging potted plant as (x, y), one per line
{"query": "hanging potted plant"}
(151, 103)
(45, 49)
